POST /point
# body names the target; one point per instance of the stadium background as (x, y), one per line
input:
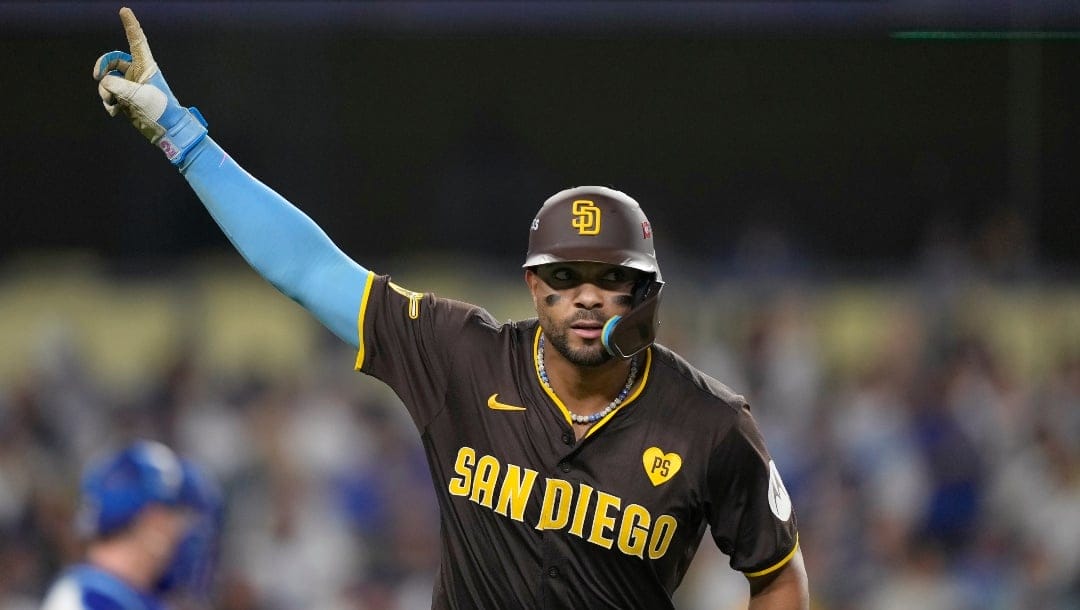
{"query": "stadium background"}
(869, 235)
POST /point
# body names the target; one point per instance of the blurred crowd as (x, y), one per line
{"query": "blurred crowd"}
(929, 468)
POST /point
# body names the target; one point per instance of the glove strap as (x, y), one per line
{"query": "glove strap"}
(183, 135)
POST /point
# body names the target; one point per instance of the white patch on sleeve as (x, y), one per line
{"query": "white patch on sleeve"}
(779, 501)
(65, 595)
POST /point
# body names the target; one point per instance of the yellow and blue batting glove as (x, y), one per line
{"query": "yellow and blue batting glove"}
(133, 85)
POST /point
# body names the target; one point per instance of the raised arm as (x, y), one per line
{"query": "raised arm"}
(278, 240)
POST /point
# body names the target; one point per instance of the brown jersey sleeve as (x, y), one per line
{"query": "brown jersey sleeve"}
(407, 339)
(750, 513)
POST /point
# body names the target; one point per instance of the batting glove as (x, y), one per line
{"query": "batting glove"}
(134, 86)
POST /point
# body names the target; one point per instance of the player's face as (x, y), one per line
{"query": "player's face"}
(573, 300)
(158, 530)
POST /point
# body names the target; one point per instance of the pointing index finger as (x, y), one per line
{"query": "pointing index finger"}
(142, 63)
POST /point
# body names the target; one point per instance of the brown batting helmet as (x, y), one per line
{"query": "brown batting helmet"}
(603, 225)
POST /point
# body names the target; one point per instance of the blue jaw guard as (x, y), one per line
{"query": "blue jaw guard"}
(624, 336)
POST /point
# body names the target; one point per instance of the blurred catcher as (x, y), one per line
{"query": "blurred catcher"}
(577, 463)
(149, 520)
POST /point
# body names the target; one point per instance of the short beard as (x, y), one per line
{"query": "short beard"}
(579, 357)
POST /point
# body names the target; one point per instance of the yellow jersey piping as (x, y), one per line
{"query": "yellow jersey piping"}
(360, 320)
(562, 407)
(778, 564)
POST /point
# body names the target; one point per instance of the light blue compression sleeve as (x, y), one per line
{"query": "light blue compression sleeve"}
(279, 241)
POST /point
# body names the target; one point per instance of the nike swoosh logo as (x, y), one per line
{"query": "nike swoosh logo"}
(501, 406)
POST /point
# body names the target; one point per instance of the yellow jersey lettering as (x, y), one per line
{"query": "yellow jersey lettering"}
(602, 521)
(460, 485)
(634, 530)
(515, 491)
(555, 512)
(487, 472)
(506, 489)
(661, 536)
(581, 509)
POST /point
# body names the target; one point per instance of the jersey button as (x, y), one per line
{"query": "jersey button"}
(563, 466)
(568, 438)
(553, 572)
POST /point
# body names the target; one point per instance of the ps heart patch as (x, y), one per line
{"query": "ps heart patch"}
(660, 466)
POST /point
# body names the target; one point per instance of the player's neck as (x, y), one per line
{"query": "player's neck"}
(123, 560)
(584, 389)
(138, 553)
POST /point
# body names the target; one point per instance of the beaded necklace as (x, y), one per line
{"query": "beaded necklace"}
(595, 417)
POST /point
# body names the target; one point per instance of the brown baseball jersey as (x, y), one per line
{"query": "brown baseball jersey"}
(532, 518)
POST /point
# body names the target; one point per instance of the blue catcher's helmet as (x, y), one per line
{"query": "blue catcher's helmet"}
(115, 489)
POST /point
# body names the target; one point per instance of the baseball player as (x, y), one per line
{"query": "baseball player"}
(577, 463)
(150, 519)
